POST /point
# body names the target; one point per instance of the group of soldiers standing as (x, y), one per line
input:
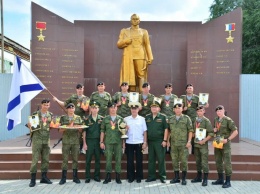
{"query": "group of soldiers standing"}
(156, 123)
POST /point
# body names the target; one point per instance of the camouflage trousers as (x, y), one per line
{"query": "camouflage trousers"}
(201, 155)
(179, 154)
(223, 155)
(68, 149)
(93, 149)
(38, 150)
(156, 151)
(117, 150)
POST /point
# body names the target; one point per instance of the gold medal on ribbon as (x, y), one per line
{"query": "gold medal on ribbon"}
(113, 127)
(145, 104)
(123, 102)
(44, 124)
(78, 104)
(167, 105)
(189, 105)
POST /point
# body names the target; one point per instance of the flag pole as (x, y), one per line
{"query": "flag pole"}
(56, 101)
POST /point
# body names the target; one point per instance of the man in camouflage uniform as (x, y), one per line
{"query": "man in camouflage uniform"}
(70, 142)
(102, 97)
(81, 103)
(201, 149)
(122, 99)
(225, 128)
(91, 139)
(190, 104)
(181, 133)
(157, 133)
(168, 101)
(113, 143)
(41, 143)
(146, 99)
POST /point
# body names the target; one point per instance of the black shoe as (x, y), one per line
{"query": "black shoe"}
(162, 181)
(198, 178)
(108, 179)
(87, 180)
(75, 176)
(150, 180)
(220, 180)
(45, 178)
(118, 181)
(177, 178)
(138, 180)
(97, 179)
(131, 180)
(227, 183)
(183, 178)
(33, 180)
(205, 180)
(64, 177)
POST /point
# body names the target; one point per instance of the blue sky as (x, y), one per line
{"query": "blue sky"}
(17, 13)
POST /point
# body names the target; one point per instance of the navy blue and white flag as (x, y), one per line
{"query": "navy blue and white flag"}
(25, 86)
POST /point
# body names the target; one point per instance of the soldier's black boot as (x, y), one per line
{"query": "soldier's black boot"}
(205, 179)
(108, 179)
(198, 178)
(63, 177)
(177, 178)
(220, 180)
(75, 176)
(33, 180)
(118, 181)
(183, 178)
(45, 178)
(227, 183)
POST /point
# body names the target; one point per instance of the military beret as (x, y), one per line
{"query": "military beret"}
(189, 85)
(177, 105)
(111, 104)
(94, 104)
(200, 107)
(124, 84)
(70, 105)
(168, 85)
(146, 84)
(45, 100)
(79, 86)
(100, 83)
(219, 107)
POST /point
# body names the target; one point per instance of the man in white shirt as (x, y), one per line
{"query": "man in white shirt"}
(136, 142)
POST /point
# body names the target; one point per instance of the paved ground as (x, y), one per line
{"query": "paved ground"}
(21, 187)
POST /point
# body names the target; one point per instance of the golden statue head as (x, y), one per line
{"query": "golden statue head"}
(135, 19)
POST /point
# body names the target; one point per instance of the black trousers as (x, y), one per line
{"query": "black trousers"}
(131, 150)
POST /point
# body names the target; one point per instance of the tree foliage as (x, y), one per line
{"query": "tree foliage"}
(251, 30)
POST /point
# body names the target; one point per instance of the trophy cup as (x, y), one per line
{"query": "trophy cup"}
(122, 129)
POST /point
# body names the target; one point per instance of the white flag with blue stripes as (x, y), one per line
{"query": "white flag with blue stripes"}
(25, 86)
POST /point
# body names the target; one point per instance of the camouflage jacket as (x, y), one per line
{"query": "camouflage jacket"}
(103, 101)
(123, 110)
(167, 105)
(205, 124)
(70, 136)
(180, 129)
(78, 103)
(146, 104)
(42, 136)
(112, 134)
(192, 108)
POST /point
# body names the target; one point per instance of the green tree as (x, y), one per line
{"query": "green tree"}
(251, 30)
